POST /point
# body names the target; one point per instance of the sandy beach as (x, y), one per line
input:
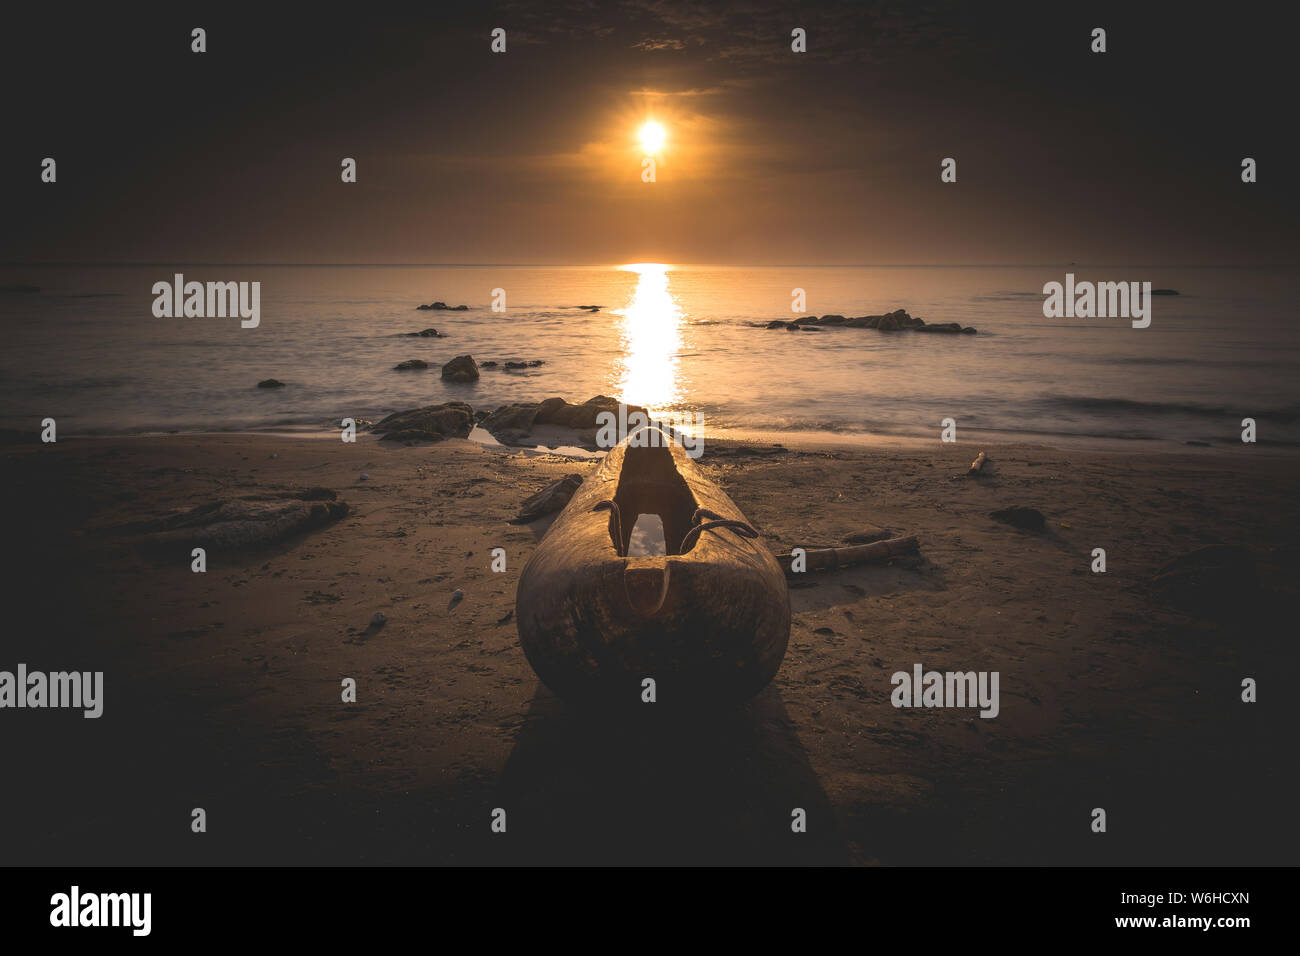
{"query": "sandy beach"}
(222, 689)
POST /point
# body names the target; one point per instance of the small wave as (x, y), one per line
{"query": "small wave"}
(1098, 404)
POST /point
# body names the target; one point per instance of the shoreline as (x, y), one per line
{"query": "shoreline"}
(795, 440)
(221, 689)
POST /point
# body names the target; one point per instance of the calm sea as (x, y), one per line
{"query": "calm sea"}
(88, 351)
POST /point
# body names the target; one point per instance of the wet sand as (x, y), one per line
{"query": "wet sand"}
(223, 688)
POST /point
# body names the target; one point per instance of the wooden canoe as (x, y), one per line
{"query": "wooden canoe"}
(708, 622)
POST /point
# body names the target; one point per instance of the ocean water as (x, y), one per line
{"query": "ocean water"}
(88, 351)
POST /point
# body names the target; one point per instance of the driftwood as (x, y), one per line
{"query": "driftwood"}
(829, 559)
(239, 524)
(977, 465)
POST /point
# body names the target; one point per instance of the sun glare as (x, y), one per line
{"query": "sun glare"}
(651, 336)
(652, 136)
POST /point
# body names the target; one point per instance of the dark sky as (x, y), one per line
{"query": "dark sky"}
(828, 157)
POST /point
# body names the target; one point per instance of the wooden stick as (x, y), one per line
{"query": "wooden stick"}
(977, 464)
(829, 559)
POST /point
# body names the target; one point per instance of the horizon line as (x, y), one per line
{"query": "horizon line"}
(92, 264)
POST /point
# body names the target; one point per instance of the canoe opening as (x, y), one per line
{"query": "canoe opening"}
(648, 539)
(650, 487)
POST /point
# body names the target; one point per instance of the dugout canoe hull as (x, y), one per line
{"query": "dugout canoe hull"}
(709, 625)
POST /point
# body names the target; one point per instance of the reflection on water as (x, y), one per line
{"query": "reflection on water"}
(651, 337)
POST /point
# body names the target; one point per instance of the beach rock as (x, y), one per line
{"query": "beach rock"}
(832, 320)
(1027, 519)
(590, 308)
(430, 423)
(549, 500)
(270, 383)
(238, 524)
(888, 323)
(969, 331)
(425, 334)
(487, 364)
(377, 619)
(442, 307)
(1213, 580)
(456, 597)
(777, 324)
(556, 411)
(868, 536)
(533, 364)
(461, 369)
(410, 364)
(806, 320)
(949, 328)
(511, 424)
(316, 493)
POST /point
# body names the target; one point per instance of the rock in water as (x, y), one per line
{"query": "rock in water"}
(410, 364)
(550, 499)
(461, 369)
(1027, 519)
(430, 423)
(270, 383)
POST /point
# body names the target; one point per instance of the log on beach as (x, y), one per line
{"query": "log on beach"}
(829, 559)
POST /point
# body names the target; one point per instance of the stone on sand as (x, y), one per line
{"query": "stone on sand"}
(1027, 519)
(549, 500)
(429, 423)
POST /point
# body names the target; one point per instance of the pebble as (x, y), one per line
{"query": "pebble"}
(378, 619)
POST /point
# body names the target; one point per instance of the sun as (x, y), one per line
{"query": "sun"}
(652, 136)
